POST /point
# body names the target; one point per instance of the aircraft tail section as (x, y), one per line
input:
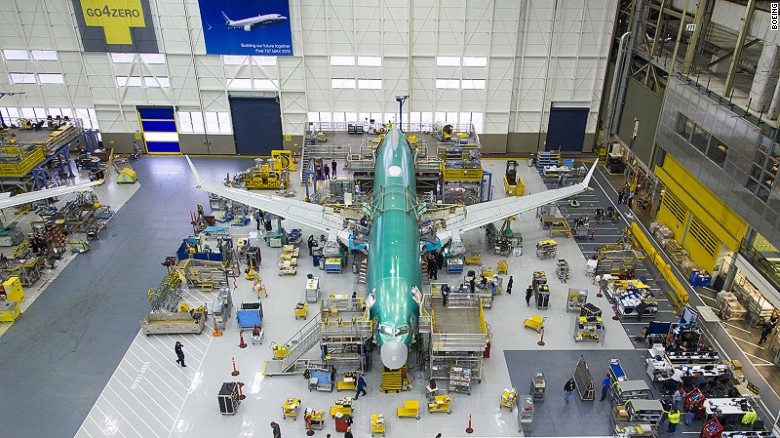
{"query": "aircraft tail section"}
(227, 19)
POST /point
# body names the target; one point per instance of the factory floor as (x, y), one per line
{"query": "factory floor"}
(77, 353)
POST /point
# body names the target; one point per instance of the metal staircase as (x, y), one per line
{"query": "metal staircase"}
(363, 272)
(304, 157)
(297, 346)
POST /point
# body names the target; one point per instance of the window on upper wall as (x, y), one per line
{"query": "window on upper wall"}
(15, 55)
(369, 84)
(473, 84)
(233, 59)
(44, 55)
(448, 61)
(684, 126)
(264, 60)
(717, 151)
(239, 84)
(9, 115)
(265, 84)
(370, 61)
(129, 81)
(51, 78)
(88, 118)
(453, 84)
(22, 78)
(340, 83)
(217, 122)
(190, 122)
(474, 61)
(157, 82)
(122, 58)
(700, 139)
(342, 60)
(152, 58)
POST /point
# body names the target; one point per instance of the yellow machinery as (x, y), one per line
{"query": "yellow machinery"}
(290, 408)
(475, 258)
(513, 183)
(560, 226)
(9, 311)
(347, 383)
(508, 399)
(535, 322)
(283, 160)
(502, 266)
(24, 124)
(301, 310)
(126, 176)
(441, 403)
(280, 350)
(342, 406)
(322, 137)
(263, 176)
(546, 248)
(12, 289)
(314, 419)
(378, 424)
(411, 408)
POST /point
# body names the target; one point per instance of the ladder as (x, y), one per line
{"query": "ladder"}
(304, 157)
(297, 346)
(363, 272)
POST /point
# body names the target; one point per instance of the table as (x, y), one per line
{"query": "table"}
(727, 406)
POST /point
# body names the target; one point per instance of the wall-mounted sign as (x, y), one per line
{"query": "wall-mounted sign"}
(247, 27)
(116, 26)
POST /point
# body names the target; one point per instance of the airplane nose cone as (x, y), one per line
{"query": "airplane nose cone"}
(394, 354)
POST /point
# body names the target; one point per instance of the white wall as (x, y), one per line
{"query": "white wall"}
(518, 38)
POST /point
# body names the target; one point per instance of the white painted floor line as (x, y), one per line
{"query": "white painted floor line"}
(119, 413)
(153, 399)
(176, 420)
(143, 406)
(735, 327)
(759, 358)
(747, 342)
(98, 424)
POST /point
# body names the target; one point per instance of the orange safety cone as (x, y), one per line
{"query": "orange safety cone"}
(242, 344)
(468, 428)
(541, 339)
(216, 333)
(235, 371)
(241, 395)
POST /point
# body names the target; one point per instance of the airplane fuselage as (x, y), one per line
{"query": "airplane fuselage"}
(394, 250)
(258, 21)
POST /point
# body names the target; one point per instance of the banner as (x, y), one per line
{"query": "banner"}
(116, 26)
(247, 27)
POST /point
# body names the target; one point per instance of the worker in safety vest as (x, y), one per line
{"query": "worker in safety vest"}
(674, 420)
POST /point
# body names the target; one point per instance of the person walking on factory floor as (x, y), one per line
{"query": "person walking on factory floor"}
(179, 353)
(268, 221)
(439, 259)
(528, 293)
(630, 200)
(311, 243)
(360, 386)
(258, 218)
(621, 195)
(674, 420)
(509, 285)
(326, 171)
(677, 399)
(445, 293)
(568, 389)
(765, 331)
(605, 384)
(276, 430)
(348, 432)
(333, 168)
(472, 284)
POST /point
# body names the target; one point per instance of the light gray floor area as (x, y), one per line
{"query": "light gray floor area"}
(56, 357)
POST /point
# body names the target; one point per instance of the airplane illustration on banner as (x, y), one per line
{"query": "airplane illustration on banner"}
(249, 24)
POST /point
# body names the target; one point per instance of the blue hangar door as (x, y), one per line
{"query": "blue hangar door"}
(257, 125)
(158, 126)
(566, 129)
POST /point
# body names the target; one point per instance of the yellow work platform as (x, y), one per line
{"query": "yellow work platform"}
(378, 424)
(290, 408)
(411, 408)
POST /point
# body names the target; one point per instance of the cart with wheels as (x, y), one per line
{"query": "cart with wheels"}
(440, 403)
(301, 310)
(546, 249)
(378, 424)
(411, 408)
(342, 406)
(616, 372)
(535, 322)
(290, 408)
(508, 399)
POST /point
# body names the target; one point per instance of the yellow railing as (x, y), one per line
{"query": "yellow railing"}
(23, 167)
(678, 293)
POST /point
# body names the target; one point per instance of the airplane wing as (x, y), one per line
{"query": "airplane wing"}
(478, 215)
(304, 213)
(24, 198)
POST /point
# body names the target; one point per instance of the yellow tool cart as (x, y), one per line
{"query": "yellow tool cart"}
(378, 424)
(9, 311)
(280, 350)
(475, 258)
(347, 383)
(313, 417)
(441, 403)
(342, 406)
(290, 408)
(12, 289)
(411, 408)
(301, 310)
(508, 399)
(503, 266)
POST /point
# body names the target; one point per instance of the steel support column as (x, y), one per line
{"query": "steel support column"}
(656, 36)
(679, 37)
(627, 62)
(698, 31)
(746, 18)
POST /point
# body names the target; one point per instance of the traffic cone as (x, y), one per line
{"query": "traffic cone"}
(216, 333)
(242, 344)
(468, 428)
(235, 371)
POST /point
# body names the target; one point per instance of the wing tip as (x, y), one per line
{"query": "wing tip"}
(195, 173)
(586, 181)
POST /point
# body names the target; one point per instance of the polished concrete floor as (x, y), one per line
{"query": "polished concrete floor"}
(95, 375)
